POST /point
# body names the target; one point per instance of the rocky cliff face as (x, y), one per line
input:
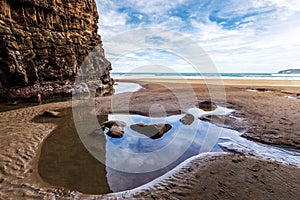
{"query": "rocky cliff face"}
(43, 44)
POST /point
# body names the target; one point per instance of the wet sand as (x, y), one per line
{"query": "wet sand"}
(65, 162)
(267, 116)
(225, 177)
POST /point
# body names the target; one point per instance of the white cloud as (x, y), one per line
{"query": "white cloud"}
(264, 40)
(156, 7)
(291, 5)
(152, 61)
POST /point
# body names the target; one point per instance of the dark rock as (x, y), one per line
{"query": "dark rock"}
(207, 105)
(188, 119)
(53, 114)
(153, 131)
(47, 42)
(115, 128)
(262, 89)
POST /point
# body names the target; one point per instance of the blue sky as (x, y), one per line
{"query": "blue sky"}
(238, 35)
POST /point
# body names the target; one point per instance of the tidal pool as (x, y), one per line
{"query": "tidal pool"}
(65, 161)
(94, 163)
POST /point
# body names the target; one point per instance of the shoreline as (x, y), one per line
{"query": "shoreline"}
(226, 82)
(19, 131)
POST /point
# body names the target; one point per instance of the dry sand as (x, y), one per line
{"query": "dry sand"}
(268, 116)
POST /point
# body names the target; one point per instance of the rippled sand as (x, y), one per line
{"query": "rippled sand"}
(204, 177)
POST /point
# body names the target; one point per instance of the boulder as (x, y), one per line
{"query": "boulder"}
(153, 131)
(207, 105)
(188, 119)
(115, 128)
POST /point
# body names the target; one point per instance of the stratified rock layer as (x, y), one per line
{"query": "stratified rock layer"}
(43, 44)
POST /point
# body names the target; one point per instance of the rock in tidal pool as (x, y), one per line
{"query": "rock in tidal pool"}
(153, 131)
(115, 128)
(207, 105)
(188, 119)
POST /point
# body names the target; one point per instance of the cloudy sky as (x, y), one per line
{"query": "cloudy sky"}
(238, 35)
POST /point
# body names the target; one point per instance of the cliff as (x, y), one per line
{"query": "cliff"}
(43, 44)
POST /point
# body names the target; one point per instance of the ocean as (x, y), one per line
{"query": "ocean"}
(265, 76)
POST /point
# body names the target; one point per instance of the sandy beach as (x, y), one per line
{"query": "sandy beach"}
(265, 111)
(270, 115)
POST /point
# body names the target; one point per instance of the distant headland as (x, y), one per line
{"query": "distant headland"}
(289, 71)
